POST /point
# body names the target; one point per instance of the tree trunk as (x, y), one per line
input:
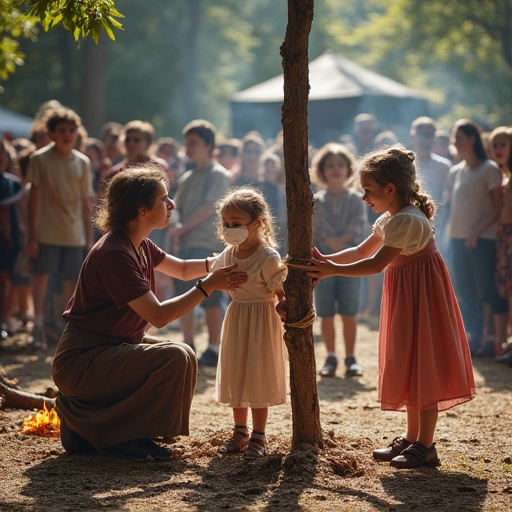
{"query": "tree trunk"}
(66, 56)
(13, 398)
(93, 92)
(299, 200)
(190, 74)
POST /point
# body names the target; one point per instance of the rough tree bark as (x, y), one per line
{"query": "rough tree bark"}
(299, 200)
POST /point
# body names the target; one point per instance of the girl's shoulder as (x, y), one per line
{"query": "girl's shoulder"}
(407, 218)
(409, 230)
(267, 251)
(410, 214)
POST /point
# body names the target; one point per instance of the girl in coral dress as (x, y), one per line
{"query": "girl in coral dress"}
(252, 359)
(424, 359)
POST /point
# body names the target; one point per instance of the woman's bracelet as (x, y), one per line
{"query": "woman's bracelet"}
(206, 265)
(199, 286)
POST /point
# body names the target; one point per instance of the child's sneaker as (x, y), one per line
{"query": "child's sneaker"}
(329, 368)
(208, 358)
(353, 368)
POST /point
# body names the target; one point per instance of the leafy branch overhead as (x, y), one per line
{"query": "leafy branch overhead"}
(80, 17)
(19, 20)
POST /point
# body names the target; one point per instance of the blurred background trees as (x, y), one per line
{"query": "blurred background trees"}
(178, 60)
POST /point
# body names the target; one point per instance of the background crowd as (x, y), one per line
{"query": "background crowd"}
(51, 183)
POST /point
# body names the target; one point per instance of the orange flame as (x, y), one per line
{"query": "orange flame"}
(43, 423)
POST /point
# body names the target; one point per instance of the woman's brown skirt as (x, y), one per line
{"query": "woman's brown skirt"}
(115, 392)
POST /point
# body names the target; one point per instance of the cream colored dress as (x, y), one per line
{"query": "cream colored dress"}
(252, 359)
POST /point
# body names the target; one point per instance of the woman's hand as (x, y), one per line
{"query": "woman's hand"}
(226, 278)
(281, 309)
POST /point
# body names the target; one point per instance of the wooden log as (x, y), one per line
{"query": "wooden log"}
(13, 398)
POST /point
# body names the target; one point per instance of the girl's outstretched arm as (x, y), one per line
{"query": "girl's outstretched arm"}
(362, 267)
(364, 250)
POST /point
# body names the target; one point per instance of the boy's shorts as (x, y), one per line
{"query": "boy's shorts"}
(7, 259)
(216, 298)
(337, 295)
(53, 259)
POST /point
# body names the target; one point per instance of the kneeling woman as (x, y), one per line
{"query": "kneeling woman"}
(118, 389)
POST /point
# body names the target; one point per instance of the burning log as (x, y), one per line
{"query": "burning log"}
(11, 397)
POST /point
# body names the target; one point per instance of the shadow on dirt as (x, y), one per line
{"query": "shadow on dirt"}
(335, 389)
(95, 482)
(497, 376)
(277, 482)
(432, 489)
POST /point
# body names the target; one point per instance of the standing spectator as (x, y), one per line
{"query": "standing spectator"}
(168, 149)
(432, 171)
(11, 193)
(94, 149)
(501, 152)
(110, 135)
(443, 147)
(195, 235)
(476, 197)
(365, 130)
(385, 139)
(338, 222)
(138, 140)
(253, 147)
(272, 172)
(59, 223)
(228, 155)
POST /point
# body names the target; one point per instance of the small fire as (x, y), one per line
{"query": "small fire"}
(43, 423)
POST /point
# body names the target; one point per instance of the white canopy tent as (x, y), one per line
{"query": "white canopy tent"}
(340, 89)
(14, 124)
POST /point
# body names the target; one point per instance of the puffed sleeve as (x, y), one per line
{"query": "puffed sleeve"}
(274, 270)
(408, 232)
(378, 226)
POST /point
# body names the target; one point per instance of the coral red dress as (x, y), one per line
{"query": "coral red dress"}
(424, 358)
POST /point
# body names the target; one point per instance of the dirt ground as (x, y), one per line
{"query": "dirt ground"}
(474, 443)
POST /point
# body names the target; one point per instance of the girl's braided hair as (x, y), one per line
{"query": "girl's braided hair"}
(396, 165)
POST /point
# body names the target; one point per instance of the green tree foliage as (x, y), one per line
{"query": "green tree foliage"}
(81, 18)
(14, 25)
(147, 64)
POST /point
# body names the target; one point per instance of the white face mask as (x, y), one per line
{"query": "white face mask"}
(235, 236)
